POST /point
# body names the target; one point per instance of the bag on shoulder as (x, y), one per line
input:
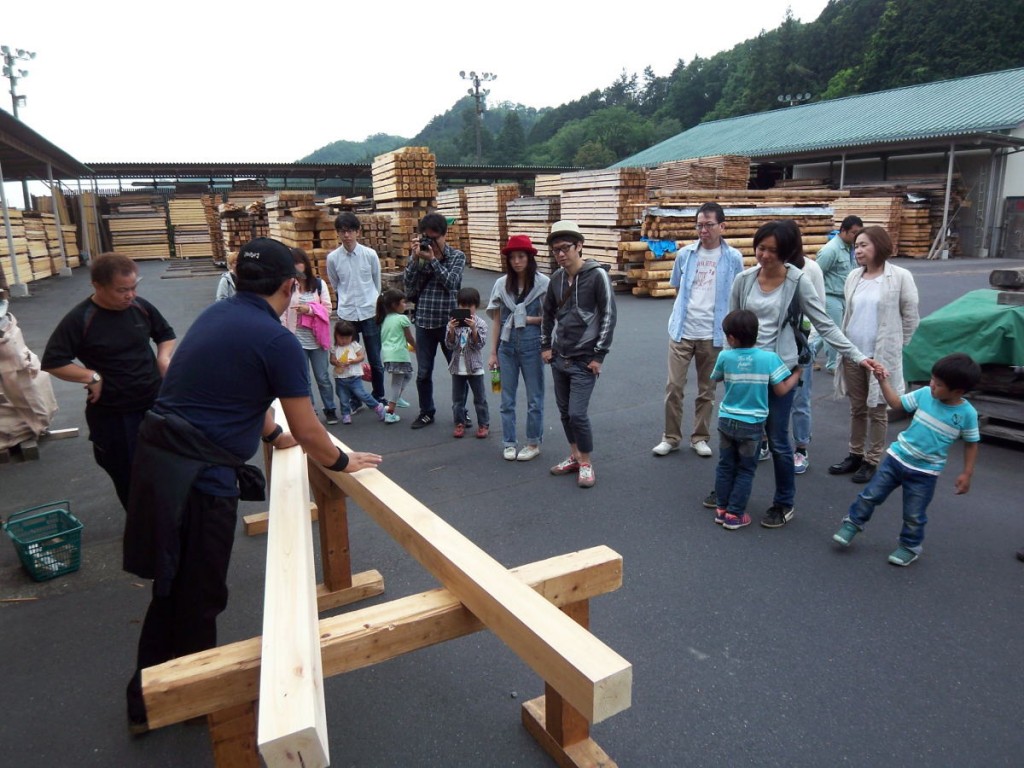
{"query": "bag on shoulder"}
(794, 317)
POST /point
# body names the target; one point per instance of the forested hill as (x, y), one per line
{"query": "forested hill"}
(854, 46)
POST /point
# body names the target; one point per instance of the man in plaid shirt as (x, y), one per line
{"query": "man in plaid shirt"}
(432, 280)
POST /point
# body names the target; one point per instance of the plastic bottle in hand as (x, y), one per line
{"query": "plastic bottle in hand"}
(495, 380)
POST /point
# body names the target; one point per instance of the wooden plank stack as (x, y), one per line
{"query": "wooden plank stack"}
(547, 185)
(297, 221)
(606, 205)
(41, 231)
(488, 228)
(886, 212)
(190, 228)
(451, 204)
(138, 226)
(533, 217)
(20, 257)
(716, 172)
(404, 187)
(213, 227)
(916, 236)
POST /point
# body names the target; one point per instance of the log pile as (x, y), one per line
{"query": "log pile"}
(533, 217)
(673, 220)
(138, 226)
(405, 188)
(606, 206)
(488, 228)
(452, 205)
(190, 227)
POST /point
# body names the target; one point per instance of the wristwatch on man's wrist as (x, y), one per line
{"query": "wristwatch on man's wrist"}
(96, 378)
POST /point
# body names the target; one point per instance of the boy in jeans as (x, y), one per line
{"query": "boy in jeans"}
(915, 459)
(466, 339)
(747, 372)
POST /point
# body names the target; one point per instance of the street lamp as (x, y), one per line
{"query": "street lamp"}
(793, 99)
(13, 73)
(479, 96)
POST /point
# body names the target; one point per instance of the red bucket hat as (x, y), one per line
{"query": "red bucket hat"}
(519, 243)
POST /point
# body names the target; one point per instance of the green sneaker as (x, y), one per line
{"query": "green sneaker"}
(845, 534)
(902, 556)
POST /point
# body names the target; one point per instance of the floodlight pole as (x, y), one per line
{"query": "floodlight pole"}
(13, 75)
(478, 96)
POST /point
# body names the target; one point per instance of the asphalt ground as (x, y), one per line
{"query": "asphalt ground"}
(754, 647)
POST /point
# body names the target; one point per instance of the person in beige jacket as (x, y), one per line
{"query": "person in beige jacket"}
(880, 318)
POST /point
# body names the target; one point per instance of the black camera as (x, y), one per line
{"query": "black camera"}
(426, 243)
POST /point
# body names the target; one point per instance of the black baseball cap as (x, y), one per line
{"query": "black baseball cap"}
(265, 257)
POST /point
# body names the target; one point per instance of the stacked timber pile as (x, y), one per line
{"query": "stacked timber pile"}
(138, 226)
(20, 257)
(451, 204)
(375, 232)
(297, 221)
(405, 188)
(713, 172)
(191, 230)
(213, 227)
(69, 233)
(886, 212)
(915, 238)
(533, 217)
(547, 185)
(488, 228)
(235, 226)
(606, 205)
(745, 211)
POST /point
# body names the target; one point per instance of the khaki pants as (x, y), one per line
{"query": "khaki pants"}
(867, 424)
(680, 353)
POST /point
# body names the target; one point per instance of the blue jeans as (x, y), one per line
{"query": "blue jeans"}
(427, 342)
(835, 306)
(351, 390)
(574, 384)
(460, 387)
(737, 462)
(521, 354)
(802, 402)
(777, 428)
(318, 361)
(371, 345)
(918, 490)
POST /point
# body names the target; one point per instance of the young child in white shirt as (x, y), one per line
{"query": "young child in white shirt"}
(347, 358)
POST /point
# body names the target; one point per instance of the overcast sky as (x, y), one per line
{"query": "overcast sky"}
(253, 81)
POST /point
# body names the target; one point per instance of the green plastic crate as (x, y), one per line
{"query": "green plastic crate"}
(48, 539)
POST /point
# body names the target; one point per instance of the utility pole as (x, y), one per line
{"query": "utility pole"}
(12, 73)
(479, 96)
(793, 98)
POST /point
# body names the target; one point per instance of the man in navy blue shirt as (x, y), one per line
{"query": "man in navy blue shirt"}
(208, 419)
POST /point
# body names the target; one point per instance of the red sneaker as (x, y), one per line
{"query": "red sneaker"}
(460, 430)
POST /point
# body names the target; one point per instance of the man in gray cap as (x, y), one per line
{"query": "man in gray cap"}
(576, 334)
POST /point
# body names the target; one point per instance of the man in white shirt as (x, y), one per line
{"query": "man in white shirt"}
(702, 276)
(354, 271)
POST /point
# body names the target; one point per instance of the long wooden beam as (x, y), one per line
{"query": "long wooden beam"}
(591, 676)
(292, 713)
(228, 676)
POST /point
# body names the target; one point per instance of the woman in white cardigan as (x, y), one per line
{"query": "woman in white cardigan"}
(881, 316)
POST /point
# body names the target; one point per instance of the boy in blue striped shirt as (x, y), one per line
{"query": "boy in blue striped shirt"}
(941, 417)
(747, 373)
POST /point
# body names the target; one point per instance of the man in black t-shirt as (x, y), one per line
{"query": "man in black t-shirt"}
(109, 334)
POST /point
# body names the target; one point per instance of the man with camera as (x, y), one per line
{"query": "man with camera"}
(432, 281)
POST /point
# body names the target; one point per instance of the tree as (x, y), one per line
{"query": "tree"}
(594, 154)
(510, 148)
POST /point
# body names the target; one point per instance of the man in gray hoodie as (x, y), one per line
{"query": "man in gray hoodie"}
(576, 334)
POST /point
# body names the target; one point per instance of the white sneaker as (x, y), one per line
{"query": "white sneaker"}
(701, 448)
(509, 453)
(800, 462)
(529, 452)
(664, 448)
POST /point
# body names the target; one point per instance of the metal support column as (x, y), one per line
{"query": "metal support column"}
(86, 250)
(949, 189)
(842, 172)
(65, 271)
(16, 287)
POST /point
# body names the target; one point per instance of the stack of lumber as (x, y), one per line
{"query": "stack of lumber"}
(487, 207)
(191, 231)
(674, 219)
(237, 223)
(547, 185)
(138, 226)
(20, 257)
(452, 205)
(606, 206)
(713, 172)
(375, 232)
(533, 217)
(885, 212)
(297, 221)
(213, 227)
(803, 184)
(40, 231)
(405, 188)
(915, 238)
(90, 223)
(70, 235)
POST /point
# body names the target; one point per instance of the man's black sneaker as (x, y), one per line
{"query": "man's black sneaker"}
(777, 516)
(864, 473)
(423, 420)
(850, 464)
(711, 500)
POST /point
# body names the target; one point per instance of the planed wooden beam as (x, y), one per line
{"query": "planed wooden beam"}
(591, 676)
(228, 676)
(292, 714)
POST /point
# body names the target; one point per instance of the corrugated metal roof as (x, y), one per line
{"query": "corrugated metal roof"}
(948, 108)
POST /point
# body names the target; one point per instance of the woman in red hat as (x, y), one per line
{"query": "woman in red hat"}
(515, 307)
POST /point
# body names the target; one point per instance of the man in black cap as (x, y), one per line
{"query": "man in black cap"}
(189, 471)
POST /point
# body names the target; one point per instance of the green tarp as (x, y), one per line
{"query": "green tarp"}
(991, 333)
